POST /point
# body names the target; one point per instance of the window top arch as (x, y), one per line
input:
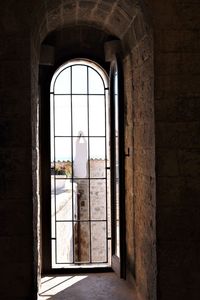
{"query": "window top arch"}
(91, 77)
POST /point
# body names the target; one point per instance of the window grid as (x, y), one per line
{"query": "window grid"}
(74, 221)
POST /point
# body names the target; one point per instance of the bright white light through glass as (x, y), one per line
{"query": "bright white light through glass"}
(97, 115)
(62, 149)
(84, 107)
(95, 83)
(79, 142)
(63, 82)
(79, 80)
(80, 115)
(62, 115)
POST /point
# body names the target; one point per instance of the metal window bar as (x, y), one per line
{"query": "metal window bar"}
(90, 220)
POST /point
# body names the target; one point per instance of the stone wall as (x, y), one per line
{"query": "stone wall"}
(176, 47)
(140, 177)
(16, 233)
(177, 107)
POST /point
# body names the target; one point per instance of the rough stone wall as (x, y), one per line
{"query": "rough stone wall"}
(177, 48)
(16, 236)
(19, 69)
(177, 107)
(140, 165)
(123, 20)
(130, 209)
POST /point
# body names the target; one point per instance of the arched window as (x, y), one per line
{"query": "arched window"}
(80, 166)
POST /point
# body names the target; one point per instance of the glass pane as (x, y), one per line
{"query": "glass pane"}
(117, 251)
(97, 115)
(64, 242)
(62, 115)
(78, 203)
(117, 233)
(62, 150)
(52, 126)
(98, 199)
(63, 200)
(79, 79)
(97, 148)
(63, 83)
(95, 83)
(98, 237)
(81, 207)
(108, 203)
(82, 241)
(80, 157)
(80, 115)
(53, 233)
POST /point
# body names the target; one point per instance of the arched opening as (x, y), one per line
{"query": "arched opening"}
(80, 166)
(84, 37)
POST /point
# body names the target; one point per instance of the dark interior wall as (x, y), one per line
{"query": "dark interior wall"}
(16, 238)
(176, 45)
(177, 107)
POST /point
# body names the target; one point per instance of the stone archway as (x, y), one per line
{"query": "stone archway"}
(126, 21)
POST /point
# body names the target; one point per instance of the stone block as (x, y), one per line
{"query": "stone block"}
(47, 55)
(129, 39)
(16, 185)
(129, 7)
(177, 109)
(178, 191)
(188, 14)
(15, 74)
(166, 15)
(16, 249)
(139, 27)
(12, 160)
(11, 48)
(177, 63)
(143, 136)
(14, 133)
(118, 22)
(178, 259)
(184, 85)
(144, 161)
(17, 279)
(167, 163)
(144, 198)
(189, 162)
(12, 102)
(16, 218)
(53, 19)
(178, 224)
(177, 135)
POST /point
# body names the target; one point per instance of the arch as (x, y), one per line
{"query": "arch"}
(128, 21)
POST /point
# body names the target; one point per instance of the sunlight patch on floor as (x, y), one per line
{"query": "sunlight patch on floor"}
(52, 285)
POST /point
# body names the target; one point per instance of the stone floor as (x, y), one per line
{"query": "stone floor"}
(101, 286)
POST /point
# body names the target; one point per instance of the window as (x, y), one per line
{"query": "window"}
(80, 166)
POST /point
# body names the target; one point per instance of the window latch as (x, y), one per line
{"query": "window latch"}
(128, 153)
